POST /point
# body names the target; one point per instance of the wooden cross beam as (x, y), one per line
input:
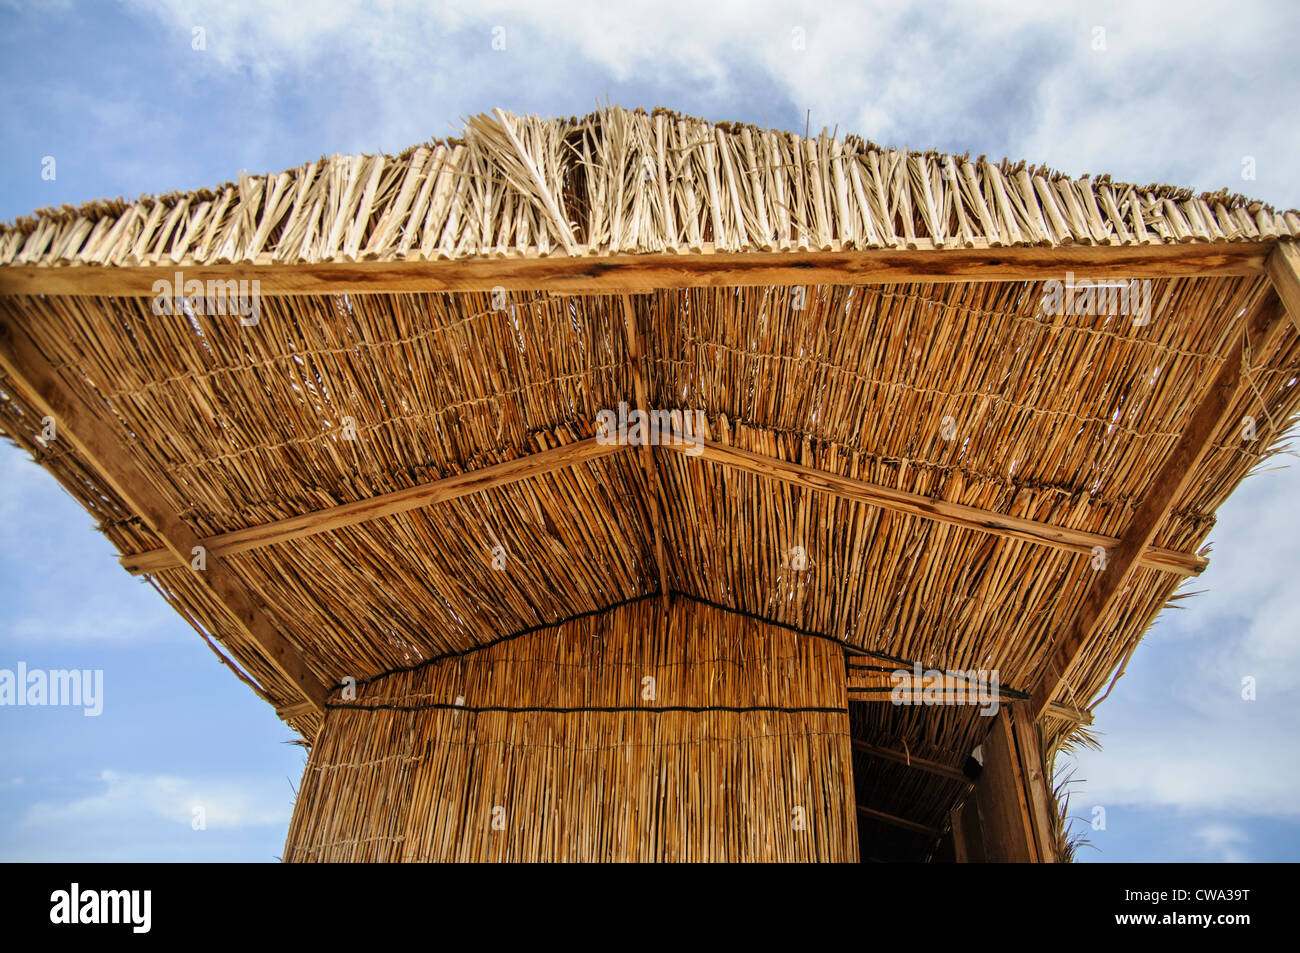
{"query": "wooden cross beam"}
(902, 757)
(684, 268)
(899, 821)
(913, 504)
(582, 451)
(75, 422)
(1262, 325)
(386, 504)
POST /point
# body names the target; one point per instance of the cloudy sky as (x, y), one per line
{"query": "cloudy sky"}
(1186, 93)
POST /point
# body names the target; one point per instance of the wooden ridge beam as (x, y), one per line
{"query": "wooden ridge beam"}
(633, 336)
(913, 504)
(902, 757)
(1262, 324)
(605, 273)
(77, 423)
(386, 504)
(899, 821)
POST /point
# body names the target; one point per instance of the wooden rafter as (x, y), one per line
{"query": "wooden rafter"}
(633, 335)
(387, 504)
(913, 504)
(1262, 324)
(40, 384)
(649, 272)
(902, 757)
(575, 454)
(899, 821)
(450, 488)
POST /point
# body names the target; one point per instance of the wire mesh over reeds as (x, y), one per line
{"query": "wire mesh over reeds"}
(629, 735)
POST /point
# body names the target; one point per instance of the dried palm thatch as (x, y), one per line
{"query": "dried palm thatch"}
(393, 471)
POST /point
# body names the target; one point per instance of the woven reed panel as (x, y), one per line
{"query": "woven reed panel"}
(548, 747)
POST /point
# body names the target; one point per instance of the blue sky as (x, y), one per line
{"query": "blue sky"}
(117, 93)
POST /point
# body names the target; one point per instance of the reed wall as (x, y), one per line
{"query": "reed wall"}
(630, 735)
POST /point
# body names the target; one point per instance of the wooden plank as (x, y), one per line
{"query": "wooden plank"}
(882, 694)
(631, 272)
(913, 504)
(1066, 713)
(1283, 267)
(998, 800)
(633, 336)
(972, 829)
(1028, 750)
(901, 757)
(1002, 727)
(959, 849)
(387, 504)
(95, 443)
(899, 821)
(1263, 323)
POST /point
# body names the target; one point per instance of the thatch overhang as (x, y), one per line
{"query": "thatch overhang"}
(905, 452)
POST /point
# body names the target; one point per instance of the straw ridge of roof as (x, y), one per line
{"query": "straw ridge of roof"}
(419, 765)
(620, 181)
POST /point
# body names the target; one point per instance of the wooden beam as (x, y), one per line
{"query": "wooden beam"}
(39, 383)
(1054, 709)
(960, 853)
(633, 336)
(1066, 713)
(1020, 782)
(1284, 271)
(1028, 746)
(503, 474)
(913, 504)
(386, 504)
(902, 757)
(603, 273)
(899, 821)
(1263, 323)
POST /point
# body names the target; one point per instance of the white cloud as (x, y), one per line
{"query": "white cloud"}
(130, 798)
(1021, 79)
(1224, 840)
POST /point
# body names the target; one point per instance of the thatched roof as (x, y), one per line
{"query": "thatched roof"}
(863, 330)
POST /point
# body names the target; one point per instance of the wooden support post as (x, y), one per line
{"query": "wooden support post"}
(1007, 817)
(77, 423)
(1264, 322)
(1036, 781)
